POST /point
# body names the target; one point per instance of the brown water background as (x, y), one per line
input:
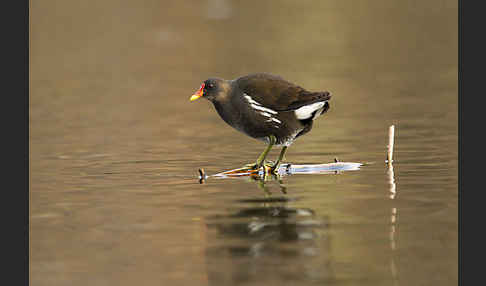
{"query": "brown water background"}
(115, 144)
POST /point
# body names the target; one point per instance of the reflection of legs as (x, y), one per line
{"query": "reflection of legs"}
(261, 180)
(280, 157)
(261, 185)
(283, 188)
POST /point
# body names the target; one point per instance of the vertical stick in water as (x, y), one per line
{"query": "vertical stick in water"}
(391, 139)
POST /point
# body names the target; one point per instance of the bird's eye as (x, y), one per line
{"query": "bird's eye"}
(209, 86)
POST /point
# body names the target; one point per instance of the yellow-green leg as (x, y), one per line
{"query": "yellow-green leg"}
(280, 157)
(261, 159)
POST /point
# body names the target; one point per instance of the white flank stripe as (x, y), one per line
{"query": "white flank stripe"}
(259, 107)
(266, 114)
(274, 119)
(305, 112)
(250, 100)
(256, 105)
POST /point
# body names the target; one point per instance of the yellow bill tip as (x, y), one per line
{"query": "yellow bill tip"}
(194, 97)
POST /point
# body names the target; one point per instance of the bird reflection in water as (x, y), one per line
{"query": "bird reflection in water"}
(267, 241)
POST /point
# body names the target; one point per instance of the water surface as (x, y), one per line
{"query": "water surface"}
(115, 144)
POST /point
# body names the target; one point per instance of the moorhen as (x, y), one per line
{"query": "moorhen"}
(265, 107)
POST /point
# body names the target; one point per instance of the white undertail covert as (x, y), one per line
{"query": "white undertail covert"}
(305, 112)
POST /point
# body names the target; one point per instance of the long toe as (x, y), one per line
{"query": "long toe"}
(252, 166)
(274, 168)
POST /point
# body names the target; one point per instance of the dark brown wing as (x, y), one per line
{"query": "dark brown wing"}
(274, 92)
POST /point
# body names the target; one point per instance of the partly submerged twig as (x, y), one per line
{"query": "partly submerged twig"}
(290, 169)
(391, 174)
(391, 139)
(202, 176)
